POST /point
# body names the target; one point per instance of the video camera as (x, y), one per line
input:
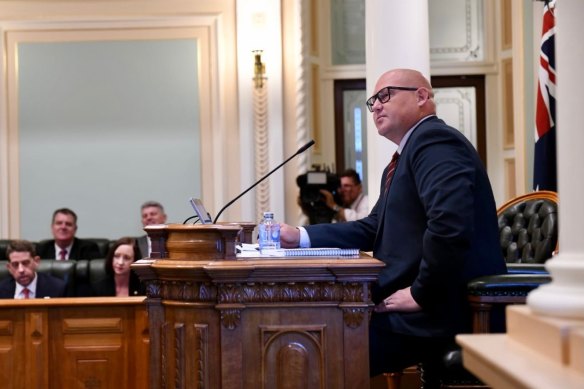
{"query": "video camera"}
(312, 201)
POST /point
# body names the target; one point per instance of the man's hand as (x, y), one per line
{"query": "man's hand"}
(289, 236)
(400, 301)
(328, 198)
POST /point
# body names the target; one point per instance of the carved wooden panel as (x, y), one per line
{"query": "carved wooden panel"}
(74, 343)
(294, 346)
(293, 356)
(36, 329)
(93, 344)
(140, 351)
(186, 352)
(249, 324)
(11, 350)
(180, 355)
(191, 356)
(200, 363)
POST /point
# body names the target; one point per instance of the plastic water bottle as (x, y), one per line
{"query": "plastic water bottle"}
(269, 233)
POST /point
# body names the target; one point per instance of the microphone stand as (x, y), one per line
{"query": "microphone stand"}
(300, 150)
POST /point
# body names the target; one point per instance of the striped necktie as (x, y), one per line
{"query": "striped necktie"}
(63, 255)
(390, 170)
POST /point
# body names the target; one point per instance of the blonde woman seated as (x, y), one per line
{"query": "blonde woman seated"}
(120, 280)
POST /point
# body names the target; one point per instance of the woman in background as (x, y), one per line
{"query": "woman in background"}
(120, 280)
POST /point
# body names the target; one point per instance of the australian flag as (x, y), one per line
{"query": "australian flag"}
(544, 162)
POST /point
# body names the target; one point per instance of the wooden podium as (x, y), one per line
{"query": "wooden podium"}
(220, 322)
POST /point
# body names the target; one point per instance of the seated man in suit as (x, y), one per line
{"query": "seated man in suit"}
(25, 282)
(152, 213)
(64, 244)
(434, 226)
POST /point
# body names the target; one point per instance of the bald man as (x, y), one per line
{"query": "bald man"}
(434, 225)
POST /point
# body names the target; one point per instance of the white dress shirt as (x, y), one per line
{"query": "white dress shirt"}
(58, 251)
(32, 287)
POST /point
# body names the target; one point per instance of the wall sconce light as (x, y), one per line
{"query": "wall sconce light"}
(259, 70)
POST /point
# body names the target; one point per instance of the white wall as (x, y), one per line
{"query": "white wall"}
(169, 122)
(105, 126)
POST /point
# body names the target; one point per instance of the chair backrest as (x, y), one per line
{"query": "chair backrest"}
(528, 227)
(3, 246)
(88, 272)
(103, 244)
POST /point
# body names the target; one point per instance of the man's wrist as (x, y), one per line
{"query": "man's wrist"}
(336, 208)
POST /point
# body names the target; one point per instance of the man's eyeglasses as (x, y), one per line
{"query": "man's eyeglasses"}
(384, 94)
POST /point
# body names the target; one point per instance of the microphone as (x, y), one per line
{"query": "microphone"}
(300, 151)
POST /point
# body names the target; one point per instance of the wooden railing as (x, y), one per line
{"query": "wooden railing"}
(92, 343)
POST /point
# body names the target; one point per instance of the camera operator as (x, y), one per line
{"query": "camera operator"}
(355, 204)
(311, 200)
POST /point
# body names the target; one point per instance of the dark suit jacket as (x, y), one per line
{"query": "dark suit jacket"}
(81, 249)
(143, 246)
(47, 286)
(435, 230)
(107, 286)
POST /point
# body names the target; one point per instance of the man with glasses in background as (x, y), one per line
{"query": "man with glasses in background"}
(26, 282)
(434, 226)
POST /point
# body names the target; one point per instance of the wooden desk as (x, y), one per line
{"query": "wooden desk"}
(97, 342)
(259, 323)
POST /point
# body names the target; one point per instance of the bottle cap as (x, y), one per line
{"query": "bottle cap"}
(269, 214)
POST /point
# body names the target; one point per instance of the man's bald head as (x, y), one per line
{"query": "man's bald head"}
(404, 108)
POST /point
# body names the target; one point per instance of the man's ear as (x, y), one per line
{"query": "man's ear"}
(36, 261)
(423, 95)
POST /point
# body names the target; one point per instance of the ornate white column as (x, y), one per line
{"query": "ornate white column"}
(396, 36)
(262, 138)
(564, 296)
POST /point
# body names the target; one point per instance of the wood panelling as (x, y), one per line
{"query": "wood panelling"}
(294, 354)
(508, 128)
(259, 323)
(74, 343)
(510, 179)
(506, 25)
